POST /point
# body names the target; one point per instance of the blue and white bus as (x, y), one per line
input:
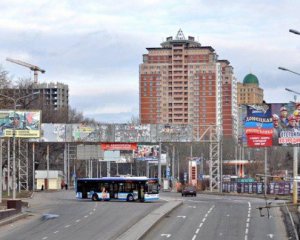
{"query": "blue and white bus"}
(119, 188)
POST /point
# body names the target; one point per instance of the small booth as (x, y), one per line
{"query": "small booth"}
(55, 177)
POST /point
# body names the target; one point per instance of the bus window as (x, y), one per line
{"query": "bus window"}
(128, 187)
(121, 187)
(151, 188)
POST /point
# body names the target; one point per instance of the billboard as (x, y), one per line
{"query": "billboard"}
(276, 124)
(53, 133)
(25, 123)
(286, 122)
(118, 146)
(259, 126)
(147, 153)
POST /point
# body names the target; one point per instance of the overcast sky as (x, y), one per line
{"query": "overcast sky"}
(96, 46)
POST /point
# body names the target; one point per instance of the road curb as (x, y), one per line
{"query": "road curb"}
(13, 218)
(138, 230)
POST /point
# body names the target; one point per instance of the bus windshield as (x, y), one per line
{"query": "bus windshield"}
(152, 187)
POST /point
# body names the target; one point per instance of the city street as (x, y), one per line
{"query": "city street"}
(202, 217)
(70, 218)
(220, 217)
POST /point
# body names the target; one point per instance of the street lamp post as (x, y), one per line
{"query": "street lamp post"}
(288, 70)
(294, 31)
(15, 101)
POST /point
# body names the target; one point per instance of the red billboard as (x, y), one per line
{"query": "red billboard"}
(118, 146)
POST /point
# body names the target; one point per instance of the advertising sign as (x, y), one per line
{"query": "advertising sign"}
(286, 120)
(259, 126)
(112, 156)
(271, 124)
(147, 153)
(53, 133)
(25, 123)
(118, 146)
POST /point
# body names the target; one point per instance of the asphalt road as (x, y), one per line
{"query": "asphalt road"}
(68, 218)
(210, 217)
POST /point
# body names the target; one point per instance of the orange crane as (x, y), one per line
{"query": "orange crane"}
(33, 68)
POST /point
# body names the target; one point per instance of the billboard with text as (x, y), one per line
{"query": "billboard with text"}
(259, 126)
(26, 124)
(276, 124)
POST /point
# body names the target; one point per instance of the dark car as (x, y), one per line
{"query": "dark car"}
(189, 191)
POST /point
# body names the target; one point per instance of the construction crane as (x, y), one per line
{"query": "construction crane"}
(33, 68)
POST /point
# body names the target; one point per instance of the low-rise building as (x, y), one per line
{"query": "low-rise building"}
(55, 179)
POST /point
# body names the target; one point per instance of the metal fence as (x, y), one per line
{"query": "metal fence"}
(276, 188)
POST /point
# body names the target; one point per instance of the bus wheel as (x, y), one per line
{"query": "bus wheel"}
(95, 197)
(130, 198)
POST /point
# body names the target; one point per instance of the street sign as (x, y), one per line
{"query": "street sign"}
(185, 176)
(168, 172)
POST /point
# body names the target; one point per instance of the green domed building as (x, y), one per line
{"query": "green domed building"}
(250, 79)
(249, 91)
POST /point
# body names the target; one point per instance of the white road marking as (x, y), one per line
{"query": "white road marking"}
(78, 220)
(201, 224)
(167, 235)
(91, 213)
(94, 209)
(86, 216)
(248, 221)
(181, 216)
(44, 237)
(67, 226)
(270, 235)
(228, 215)
(55, 232)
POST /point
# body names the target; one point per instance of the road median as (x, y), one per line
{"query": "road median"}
(138, 230)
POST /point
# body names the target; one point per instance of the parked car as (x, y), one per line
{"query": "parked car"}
(189, 191)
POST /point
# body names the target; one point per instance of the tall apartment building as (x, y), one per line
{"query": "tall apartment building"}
(229, 99)
(249, 91)
(182, 82)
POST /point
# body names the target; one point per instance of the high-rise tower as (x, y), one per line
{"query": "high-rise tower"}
(182, 82)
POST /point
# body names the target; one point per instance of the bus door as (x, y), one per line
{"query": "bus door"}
(81, 187)
(141, 191)
(113, 190)
(84, 193)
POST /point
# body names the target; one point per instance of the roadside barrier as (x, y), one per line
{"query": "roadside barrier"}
(276, 188)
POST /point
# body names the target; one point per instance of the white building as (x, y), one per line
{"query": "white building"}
(55, 178)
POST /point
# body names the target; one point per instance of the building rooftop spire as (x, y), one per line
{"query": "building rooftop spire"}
(180, 35)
